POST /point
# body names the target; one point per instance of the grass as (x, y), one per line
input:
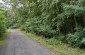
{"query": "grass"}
(2, 39)
(56, 46)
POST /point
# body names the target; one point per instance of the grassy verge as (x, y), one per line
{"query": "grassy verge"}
(2, 39)
(57, 46)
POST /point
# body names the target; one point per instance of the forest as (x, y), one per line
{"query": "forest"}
(63, 20)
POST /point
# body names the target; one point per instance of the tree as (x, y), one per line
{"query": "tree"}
(49, 18)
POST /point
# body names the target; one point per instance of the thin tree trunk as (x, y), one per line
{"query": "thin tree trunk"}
(76, 24)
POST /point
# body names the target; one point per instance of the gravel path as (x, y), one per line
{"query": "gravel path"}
(19, 44)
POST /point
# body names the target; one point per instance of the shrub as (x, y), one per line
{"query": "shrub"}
(77, 39)
(47, 31)
(2, 23)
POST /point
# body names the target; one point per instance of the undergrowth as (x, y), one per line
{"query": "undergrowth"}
(57, 46)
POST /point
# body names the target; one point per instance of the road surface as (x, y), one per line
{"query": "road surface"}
(19, 44)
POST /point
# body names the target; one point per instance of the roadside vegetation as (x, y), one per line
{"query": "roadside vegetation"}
(57, 46)
(57, 21)
(2, 26)
(64, 20)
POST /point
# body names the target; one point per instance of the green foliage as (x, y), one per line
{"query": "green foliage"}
(50, 18)
(52, 41)
(77, 39)
(36, 28)
(2, 23)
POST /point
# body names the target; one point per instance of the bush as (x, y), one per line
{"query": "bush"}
(77, 39)
(40, 30)
(47, 31)
(2, 23)
(52, 41)
(35, 26)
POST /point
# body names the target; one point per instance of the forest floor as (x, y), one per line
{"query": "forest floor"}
(19, 44)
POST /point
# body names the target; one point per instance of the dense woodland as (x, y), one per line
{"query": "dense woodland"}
(60, 19)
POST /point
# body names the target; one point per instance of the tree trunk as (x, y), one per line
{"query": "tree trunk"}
(76, 24)
(84, 19)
